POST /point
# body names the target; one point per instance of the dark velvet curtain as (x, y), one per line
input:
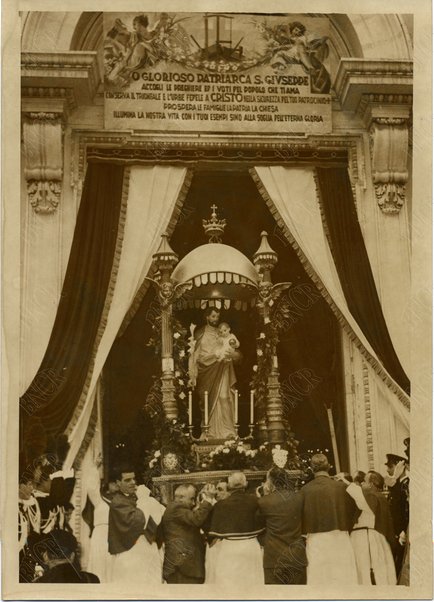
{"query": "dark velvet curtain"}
(53, 394)
(352, 263)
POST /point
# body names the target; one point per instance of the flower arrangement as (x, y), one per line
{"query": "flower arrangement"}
(171, 450)
(232, 454)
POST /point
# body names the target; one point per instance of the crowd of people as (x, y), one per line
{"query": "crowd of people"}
(339, 530)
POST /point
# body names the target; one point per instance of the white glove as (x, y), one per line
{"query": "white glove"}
(402, 538)
(399, 469)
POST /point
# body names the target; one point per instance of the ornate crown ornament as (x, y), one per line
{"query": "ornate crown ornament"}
(214, 228)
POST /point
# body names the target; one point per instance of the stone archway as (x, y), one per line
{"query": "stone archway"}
(358, 36)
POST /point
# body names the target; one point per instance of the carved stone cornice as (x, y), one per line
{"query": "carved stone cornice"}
(168, 152)
(136, 148)
(361, 77)
(384, 102)
(381, 93)
(52, 85)
(72, 76)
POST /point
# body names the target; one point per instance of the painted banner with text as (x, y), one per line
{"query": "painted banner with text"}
(216, 72)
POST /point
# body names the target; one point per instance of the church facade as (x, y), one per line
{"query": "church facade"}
(310, 131)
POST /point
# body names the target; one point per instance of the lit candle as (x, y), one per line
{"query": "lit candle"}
(206, 408)
(252, 406)
(190, 408)
(275, 365)
(236, 406)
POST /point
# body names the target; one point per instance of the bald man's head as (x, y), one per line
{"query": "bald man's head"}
(237, 480)
(185, 495)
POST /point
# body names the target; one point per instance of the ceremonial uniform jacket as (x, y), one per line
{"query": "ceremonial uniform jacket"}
(282, 511)
(398, 501)
(126, 523)
(236, 517)
(52, 504)
(326, 506)
(184, 543)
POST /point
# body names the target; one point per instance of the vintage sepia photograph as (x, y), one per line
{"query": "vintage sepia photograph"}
(217, 287)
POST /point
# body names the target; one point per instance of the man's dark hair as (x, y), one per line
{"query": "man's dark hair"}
(119, 469)
(280, 478)
(376, 479)
(319, 463)
(208, 311)
(223, 480)
(359, 477)
(60, 544)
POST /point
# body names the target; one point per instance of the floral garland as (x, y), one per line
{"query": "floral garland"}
(171, 448)
(235, 455)
(265, 348)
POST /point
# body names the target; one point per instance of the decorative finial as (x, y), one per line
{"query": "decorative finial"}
(165, 258)
(214, 228)
(265, 258)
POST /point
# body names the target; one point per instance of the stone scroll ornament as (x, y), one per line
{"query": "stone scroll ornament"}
(43, 160)
(389, 148)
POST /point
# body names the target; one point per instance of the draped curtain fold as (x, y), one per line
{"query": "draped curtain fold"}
(352, 262)
(155, 197)
(374, 429)
(290, 193)
(53, 393)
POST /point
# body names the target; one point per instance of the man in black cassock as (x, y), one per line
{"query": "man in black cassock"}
(327, 520)
(234, 554)
(284, 547)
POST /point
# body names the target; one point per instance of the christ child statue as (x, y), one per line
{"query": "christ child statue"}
(227, 342)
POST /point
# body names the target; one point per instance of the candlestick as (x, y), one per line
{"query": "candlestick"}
(252, 406)
(236, 407)
(206, 408)
(190, 408)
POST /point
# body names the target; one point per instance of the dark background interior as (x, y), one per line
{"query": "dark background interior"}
(313, 342)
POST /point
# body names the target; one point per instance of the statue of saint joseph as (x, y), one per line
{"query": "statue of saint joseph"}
(211, 369)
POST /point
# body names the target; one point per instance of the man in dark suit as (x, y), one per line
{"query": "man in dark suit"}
(184, 554)
(398, 486)
(58, 553)
(284, 547)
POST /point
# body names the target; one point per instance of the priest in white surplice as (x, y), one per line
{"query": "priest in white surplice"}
(133, 520)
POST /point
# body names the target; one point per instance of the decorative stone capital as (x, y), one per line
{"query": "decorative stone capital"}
(380, 92)
(52, 85)
(388, 136)
(43, 159)
(44, 195)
